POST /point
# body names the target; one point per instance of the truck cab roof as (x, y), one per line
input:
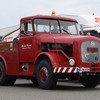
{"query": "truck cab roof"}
(48, 17)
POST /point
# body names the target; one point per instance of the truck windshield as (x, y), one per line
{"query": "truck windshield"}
(69, 27)
(55, 26)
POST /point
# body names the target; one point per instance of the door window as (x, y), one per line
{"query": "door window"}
(26, 28)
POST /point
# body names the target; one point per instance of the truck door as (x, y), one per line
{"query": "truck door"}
(26, 53)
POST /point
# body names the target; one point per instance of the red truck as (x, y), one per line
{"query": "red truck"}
(49, 48)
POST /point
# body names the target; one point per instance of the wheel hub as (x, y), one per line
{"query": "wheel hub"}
(43, 74)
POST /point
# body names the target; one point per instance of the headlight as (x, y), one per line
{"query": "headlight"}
(71, 62)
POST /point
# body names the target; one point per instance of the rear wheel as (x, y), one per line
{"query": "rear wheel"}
(90, 81)
(4, 79)
(45, 77)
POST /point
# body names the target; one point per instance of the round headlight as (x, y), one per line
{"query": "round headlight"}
(71, 62)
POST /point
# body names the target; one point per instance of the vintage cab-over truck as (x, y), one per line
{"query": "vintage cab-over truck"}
(49, 48)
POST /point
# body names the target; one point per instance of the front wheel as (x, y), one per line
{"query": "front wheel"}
(45, 77)
(90, 81)
(34, 81)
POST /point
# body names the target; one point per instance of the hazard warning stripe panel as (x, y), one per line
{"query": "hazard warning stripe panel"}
(70, 69)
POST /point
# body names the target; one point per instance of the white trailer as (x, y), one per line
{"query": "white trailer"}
(90, 24)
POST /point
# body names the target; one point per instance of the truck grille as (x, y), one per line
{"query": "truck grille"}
(90, 51)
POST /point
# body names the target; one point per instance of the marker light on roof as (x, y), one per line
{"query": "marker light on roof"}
(53, 13)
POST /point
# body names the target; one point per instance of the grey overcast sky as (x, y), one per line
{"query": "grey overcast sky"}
(12, 10)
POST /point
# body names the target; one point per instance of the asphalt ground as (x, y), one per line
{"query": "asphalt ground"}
(25, 90)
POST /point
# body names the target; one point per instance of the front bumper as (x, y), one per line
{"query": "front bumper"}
(76, 69)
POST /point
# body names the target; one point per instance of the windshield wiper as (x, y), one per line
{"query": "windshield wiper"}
(64, 30)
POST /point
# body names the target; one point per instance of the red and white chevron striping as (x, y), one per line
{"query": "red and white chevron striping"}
(70, 70)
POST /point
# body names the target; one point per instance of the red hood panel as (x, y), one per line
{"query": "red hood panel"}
(64, 38)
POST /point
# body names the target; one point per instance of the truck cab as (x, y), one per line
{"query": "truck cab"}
(49, 48)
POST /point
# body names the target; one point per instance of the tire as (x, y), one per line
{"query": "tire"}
(34, 81)
(90, 81)
(45, 77)
(4, 79)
